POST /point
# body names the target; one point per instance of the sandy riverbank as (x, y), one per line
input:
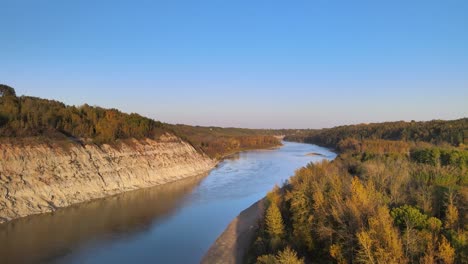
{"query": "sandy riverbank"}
(234, 242)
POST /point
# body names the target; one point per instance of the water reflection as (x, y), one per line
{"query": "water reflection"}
(43, 238)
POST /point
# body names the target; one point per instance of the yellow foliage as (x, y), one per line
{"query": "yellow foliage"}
(274, 221)
(381, 242)
(336, 252)
(446, 253)
(451, 216)
(288, 256)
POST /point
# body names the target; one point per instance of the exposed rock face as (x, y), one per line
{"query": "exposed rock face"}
(41, 178)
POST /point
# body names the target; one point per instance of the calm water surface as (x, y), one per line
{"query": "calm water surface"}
(174, 223)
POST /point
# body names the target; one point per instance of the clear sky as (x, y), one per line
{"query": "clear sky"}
(268, 64)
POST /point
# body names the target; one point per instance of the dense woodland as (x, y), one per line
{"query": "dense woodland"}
(380, 201)
(25, 118)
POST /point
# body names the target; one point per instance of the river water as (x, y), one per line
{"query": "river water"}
(173, 223)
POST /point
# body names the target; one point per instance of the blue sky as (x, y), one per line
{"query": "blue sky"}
(267, 64)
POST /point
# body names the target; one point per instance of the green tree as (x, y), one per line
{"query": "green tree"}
(409, 217)
(6, 91)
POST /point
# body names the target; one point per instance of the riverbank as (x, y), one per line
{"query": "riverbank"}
(234, 242)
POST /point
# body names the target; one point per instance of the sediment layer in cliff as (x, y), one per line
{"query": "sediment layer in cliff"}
(41, 178)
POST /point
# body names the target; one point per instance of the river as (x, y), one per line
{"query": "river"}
(172, 223)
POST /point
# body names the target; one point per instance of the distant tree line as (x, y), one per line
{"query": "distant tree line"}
(454, 132)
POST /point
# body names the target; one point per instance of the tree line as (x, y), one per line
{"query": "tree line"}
(453, 132)
(29, 116)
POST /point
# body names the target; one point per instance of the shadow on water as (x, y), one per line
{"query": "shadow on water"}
(43, 238)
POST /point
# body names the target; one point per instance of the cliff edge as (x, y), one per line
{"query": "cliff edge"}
(41, 178)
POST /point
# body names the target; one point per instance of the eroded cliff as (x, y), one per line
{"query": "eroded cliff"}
(40, 178)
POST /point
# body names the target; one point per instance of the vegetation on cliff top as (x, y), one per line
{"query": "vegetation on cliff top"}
(379, 201)
(26, 117)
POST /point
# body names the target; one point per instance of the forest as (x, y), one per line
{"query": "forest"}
(36, 120)
(453, 132)
(396, 193)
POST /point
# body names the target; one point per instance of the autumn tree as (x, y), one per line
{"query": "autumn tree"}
(302, 219)
(380, 243)
(445, 252)
(274, 225)
(286, 256)
(451, 213)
